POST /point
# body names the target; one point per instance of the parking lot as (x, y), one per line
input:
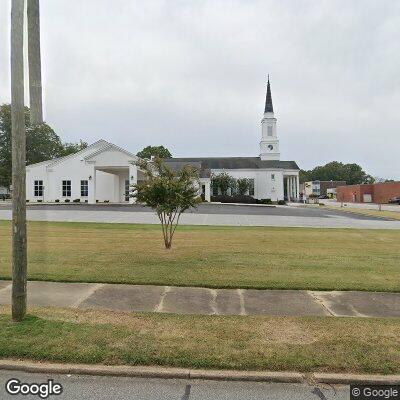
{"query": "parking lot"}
(206, 214)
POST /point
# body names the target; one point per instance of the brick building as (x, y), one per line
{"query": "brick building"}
(379, 193)
(318, 188)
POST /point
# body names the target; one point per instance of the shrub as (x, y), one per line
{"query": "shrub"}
(169, 193)
(234, 199)
(56, 201)
(282, 202)
(265, 201)
(243, 185)
(223, 182)
(39, 201)
(76, 200)
(67, 200)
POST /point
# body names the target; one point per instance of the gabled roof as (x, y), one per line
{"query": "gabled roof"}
(96, 147)
(54, 161)
(110, 146)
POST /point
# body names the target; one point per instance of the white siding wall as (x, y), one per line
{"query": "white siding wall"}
(264, 186)
(109, 186)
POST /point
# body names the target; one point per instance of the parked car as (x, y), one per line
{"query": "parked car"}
(395, 200)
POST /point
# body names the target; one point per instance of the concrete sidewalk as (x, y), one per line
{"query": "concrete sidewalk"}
(187, 300)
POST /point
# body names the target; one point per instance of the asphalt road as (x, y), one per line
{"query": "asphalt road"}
(109, 388)
(213, 209)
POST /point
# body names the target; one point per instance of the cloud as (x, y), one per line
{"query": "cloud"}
(191, 76)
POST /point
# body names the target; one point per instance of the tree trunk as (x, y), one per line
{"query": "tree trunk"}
(19, 253)
(35, 75)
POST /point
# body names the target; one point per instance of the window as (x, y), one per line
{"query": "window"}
(84, 188)
(127, 190)
(269, 130)
(251, 187)
(66, 188)
(38, 188)
(215, 190)
(272, 177)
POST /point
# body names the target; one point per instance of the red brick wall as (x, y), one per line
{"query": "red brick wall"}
(381, 192)
(353, 193)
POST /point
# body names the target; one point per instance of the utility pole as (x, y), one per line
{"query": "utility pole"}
(34, 61)
(19, 252)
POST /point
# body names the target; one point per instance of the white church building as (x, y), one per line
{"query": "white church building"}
(104, 172)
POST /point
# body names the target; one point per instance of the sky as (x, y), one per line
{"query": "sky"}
(191, 75)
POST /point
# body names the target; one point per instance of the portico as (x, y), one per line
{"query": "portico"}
(121, 169)
(291, 187)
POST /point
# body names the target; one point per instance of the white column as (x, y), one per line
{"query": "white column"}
(92, 187)
(208, 191)
(292, 186)
(117, 194)
(132, 180)
(297, 188)
(288, 188)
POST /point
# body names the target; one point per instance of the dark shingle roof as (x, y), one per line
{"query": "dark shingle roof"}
(208, 163)
(268, 100)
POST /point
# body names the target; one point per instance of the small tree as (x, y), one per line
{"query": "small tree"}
(154, 151)
(168, 193)
(223, 181)
(243, 185)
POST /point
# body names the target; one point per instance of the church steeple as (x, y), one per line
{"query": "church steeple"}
(268, 100)
(269, 145)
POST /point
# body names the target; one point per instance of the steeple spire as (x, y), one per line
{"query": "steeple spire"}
(268, 101)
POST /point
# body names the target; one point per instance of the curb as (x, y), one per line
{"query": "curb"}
(218, 203)
(184, 373)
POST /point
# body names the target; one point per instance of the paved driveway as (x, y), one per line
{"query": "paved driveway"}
(207, 214)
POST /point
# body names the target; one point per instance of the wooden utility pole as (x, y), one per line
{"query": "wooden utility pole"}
(34, 61)
(19, 252)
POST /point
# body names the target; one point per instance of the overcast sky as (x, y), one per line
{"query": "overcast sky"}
(191, 75)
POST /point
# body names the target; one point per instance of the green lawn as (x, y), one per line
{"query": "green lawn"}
(247, 257)
(362, 345)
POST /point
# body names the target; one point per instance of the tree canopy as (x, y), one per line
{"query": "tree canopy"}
(154, 151)
(42, 143)
(337, 171)
(169, 193)
(223, 181)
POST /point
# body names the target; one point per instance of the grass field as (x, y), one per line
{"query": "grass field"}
(247, 257)
(247, 343)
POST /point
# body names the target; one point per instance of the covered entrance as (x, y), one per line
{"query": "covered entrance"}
(291, 187)
(114, 171)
